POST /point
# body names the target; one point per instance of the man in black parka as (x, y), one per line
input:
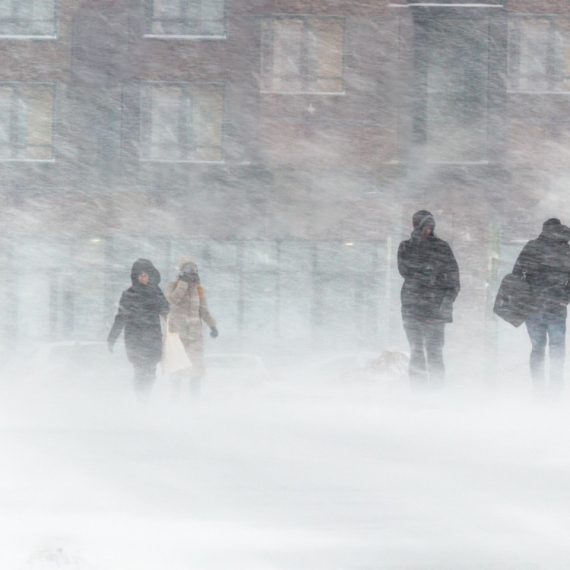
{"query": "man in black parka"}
(140, 309)
(431, 285)
(545, 264)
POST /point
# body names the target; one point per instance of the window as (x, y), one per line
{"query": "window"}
(457, 84)
(26, 122)
(539, 54)
(27, 18)
(187, 18)
(182, 123)
(302, 55)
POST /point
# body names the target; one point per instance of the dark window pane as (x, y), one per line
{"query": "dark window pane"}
(457, 90)
(188, 17)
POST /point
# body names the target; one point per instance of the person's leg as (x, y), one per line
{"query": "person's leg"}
(536, 327)
(177, 378)
(434, 341)
(556, 325)
(195, 351)
(144, 377)
(418, 371)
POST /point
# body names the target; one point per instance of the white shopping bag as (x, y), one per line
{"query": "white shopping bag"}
(174, 357)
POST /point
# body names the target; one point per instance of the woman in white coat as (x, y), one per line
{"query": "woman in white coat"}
(188, 308)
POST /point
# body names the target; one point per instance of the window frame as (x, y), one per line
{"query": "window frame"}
(438, 95)
(149, 20)
(15, 85)
(554, 80)
(16, 4)
(145, 156)
(413, 37)
(268, 56)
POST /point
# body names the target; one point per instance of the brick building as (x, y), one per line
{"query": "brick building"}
(283, 143)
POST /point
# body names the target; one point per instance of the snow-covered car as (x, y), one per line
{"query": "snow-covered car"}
(235, 368)
(342, 363)
(359, 366)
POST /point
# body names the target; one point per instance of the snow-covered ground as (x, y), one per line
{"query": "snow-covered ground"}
(294, 474)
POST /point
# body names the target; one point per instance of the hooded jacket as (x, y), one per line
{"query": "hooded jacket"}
(188, 306)
(545, 263)
(140, 309)
(430, 272)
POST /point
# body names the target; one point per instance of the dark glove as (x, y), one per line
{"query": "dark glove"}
(110, 347)
(214, 332)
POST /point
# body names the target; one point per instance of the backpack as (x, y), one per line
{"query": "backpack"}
(514, 299)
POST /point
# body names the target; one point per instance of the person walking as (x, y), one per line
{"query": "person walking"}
(545, 264)
(188, 309)
(431, 285)
(140, 309)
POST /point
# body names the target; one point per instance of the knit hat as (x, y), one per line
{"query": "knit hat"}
(551, 222)
(423, 219)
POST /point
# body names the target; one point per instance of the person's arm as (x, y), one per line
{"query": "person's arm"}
(452, 281)
(525, 261)
(205, 314)
(119, 324)
(404, 260)
(449, 283)
(176, 291)
(566, 266)
(164, 307)
(411, 261)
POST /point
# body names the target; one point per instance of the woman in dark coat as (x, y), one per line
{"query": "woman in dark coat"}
(431, 285)
(140, 309)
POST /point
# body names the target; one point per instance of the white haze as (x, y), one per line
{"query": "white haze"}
(293, 473)
(289, 468)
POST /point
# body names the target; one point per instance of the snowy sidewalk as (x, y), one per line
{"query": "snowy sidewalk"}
(284, 478)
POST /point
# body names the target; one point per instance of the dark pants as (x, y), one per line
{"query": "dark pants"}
(426, 344)
(542, 327)
(145, 373)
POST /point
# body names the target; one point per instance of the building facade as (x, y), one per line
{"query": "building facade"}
(283, 143)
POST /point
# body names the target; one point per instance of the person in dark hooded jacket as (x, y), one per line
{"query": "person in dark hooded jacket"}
(545, 264)
(431, 285)
(140, 309)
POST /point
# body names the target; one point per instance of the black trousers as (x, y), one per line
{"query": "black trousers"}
(543, 327)
(426, 345)
(145, 375)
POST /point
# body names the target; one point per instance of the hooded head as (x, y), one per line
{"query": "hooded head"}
(423, 220)
(187, 266)
(552, 229)
(145, 266)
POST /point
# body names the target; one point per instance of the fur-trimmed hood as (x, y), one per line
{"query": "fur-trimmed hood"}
(183, 260)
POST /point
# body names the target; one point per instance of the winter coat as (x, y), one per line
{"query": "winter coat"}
(140, 309)
(431, 279)
(188, 308)
(545, 262)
